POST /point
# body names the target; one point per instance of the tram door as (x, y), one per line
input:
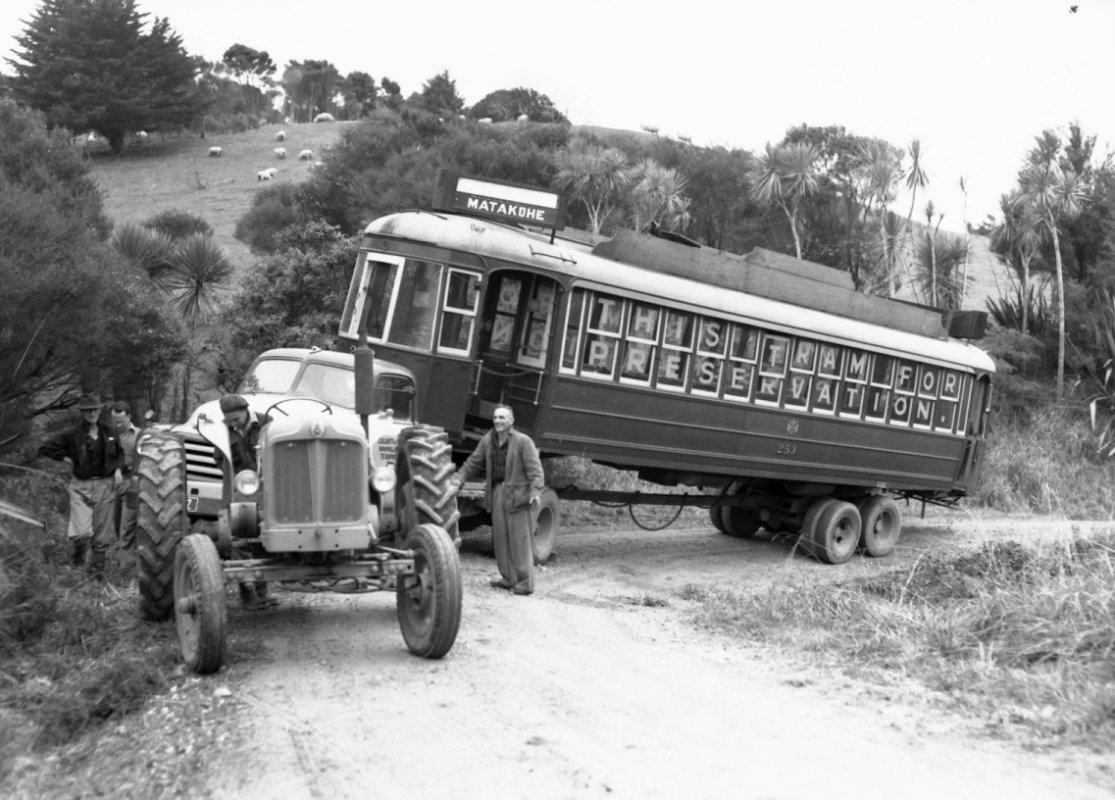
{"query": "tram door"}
(517, 337)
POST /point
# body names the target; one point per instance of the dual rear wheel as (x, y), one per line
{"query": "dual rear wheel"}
(834, 529)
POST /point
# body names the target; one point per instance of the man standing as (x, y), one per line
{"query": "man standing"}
(127, 494)
(509, 461)
(92, 451)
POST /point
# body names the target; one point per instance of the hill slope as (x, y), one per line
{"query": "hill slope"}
(176, 173)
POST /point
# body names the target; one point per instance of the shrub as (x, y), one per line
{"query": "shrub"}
(274, 208)
(178, 224)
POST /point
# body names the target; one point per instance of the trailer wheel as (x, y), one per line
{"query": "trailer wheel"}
(547, 520)
(428, 603)
(161, 523)
(741, 523)
(199, 604)
(882, 525)
(424, 466)
(836, 533)
(716, 514)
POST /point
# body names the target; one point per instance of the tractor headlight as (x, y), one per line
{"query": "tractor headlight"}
(246, 483)
(383, 480)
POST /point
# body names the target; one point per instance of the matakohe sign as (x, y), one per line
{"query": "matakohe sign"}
(507, 201)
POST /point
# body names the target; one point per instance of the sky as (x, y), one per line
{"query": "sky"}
(975, 80)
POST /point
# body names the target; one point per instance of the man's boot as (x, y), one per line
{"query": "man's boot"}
(78, 545)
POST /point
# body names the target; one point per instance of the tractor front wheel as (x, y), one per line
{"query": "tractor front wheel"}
(428, 603)
(200, 610)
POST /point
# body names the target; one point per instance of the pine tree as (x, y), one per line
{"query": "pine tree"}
(89, 65)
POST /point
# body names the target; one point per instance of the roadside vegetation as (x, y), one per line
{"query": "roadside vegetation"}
(1020, 635)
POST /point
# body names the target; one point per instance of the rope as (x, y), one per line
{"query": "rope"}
(664, 525)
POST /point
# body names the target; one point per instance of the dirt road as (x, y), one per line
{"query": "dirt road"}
(599, 685)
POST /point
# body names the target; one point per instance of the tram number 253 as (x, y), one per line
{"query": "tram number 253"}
(787, 448)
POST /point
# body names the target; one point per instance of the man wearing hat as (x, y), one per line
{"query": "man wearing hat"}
(92, 451)
(243, 438)
(243, 433)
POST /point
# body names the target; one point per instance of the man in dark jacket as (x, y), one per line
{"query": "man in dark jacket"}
(92, 451)
(510, 463)
(243, 433)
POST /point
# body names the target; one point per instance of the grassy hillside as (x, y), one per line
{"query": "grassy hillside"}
(174, 172)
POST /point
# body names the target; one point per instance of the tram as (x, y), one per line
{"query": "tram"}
(789, 399)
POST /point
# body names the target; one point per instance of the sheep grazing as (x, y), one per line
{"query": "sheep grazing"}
(324, 117)
(522, 118)
(267, 174)
(142, 136)
(280, 152)
(306, 155)
(215, 152)
(485, 120)
(280, 136)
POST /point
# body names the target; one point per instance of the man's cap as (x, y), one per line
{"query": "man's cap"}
(232, 402)
(89, 402)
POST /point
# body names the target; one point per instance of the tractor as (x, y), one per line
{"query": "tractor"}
(320, 513)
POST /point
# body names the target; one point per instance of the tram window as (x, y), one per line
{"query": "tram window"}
(641, 346)
(638, 360)
(415, 307)
(535, 335)
(458, 319)
(572, 330)
(381, 292)
(804, 352)
(677, 342)
(828, 360)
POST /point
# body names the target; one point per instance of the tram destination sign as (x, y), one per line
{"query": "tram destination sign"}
(511, 202)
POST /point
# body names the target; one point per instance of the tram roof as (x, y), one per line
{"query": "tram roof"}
(574, 258)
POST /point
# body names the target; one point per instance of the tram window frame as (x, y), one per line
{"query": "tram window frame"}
(709, 358)
(538, 322)
(675, 346)
(598, 329)
(574, 328)
(636, 340)
(468, 315)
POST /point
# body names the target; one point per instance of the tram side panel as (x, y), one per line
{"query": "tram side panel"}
(682, 435)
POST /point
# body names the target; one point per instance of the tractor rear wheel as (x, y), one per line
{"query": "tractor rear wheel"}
(200, 610)
(425, 466)
(428, 603)
(162, 522)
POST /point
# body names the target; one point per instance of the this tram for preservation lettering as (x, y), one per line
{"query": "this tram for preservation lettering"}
(807, 406)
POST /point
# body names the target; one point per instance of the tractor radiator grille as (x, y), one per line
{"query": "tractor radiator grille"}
(199, 459)
(316, 482)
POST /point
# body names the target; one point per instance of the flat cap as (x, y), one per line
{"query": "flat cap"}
(232, 402)
(89, 402)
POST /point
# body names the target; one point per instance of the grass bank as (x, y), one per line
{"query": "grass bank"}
(1017, 635)
(73, 654)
